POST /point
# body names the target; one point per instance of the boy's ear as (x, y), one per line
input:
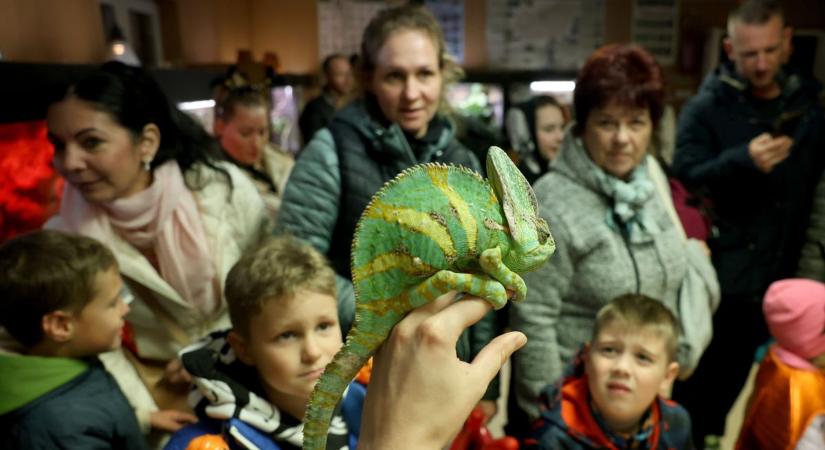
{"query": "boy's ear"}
(670, 377)
(58, 326)
(238, 344)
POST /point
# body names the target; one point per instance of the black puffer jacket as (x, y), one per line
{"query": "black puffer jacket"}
(760, 217)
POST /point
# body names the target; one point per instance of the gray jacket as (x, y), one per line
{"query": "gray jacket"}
(591, 266)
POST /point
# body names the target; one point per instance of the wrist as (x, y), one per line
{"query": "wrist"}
(402, 438)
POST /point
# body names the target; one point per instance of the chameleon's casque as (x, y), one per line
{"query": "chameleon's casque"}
(432, 229)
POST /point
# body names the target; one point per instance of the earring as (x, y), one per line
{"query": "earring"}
(146, 165)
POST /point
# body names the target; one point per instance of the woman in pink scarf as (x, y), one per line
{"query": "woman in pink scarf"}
(147, 181)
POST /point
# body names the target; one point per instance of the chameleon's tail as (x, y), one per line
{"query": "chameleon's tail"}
(330, 387)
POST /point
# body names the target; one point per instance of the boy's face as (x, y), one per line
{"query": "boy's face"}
(626, 369)
(97, 325)
(290, 342)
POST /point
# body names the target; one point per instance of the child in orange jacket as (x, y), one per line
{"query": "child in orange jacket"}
(789, 392)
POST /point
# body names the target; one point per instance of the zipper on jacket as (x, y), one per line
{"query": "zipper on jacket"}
(624, 231)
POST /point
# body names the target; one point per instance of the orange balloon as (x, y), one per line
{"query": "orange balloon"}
(208, 442)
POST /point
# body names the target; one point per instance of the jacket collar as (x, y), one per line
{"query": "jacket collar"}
(366, 118)
(577, 416)
(795, 89)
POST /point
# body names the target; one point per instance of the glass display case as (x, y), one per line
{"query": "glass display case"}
(483, 101)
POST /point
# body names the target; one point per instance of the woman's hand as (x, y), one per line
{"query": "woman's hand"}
(175, 374)
(420, 393)
(170, 420)
(489, 408)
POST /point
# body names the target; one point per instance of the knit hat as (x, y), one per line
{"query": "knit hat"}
(795, 313)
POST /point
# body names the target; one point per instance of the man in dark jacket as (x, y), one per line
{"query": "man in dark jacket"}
(318, 112)
(751, 141)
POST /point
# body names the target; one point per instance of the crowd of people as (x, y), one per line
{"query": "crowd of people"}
(193, 287)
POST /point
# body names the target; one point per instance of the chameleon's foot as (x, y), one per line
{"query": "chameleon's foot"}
(444, 281)
(493, 265)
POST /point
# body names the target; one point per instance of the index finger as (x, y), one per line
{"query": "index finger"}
(762, 138)
(456, 317)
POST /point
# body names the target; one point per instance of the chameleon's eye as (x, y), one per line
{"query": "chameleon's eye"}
(543, 230)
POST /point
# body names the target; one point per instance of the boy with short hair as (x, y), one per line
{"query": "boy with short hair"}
(254, 380)
(62, 299)
(612, 398)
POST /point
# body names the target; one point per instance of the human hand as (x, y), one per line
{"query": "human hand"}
(704, 246)
(171, 420)
(420, 393)
(175, 374)
(767, 151)
(489, 408)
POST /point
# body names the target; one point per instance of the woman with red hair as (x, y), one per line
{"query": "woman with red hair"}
(613, 233)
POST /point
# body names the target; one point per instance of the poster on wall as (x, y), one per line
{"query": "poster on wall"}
(450, 15)
(655, 25)
(543, 35)
(341, 23)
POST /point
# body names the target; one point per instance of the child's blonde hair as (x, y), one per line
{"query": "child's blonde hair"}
(634, 311)
(46, 271)
(276, 270)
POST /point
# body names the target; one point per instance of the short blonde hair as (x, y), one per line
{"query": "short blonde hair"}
(634, 311)
(276, 270)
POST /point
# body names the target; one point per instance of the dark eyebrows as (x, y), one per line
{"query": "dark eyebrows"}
(84, 131)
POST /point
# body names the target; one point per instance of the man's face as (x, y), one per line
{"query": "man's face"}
(758, 50)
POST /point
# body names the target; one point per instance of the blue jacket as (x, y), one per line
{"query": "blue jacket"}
(240, 435)
(82, 407)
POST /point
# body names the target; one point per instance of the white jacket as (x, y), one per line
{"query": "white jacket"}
(234, 221)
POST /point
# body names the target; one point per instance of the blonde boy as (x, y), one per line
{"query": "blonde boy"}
(257, 377)
(62, 300)
(612, 398)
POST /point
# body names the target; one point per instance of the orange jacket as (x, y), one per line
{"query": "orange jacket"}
(784, 401)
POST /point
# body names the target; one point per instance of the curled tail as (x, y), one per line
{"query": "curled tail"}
(339, 373)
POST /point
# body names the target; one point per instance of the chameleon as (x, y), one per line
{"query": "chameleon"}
(431, 229)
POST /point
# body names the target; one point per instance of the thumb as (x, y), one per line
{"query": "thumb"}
(763, 137)
(490, 359)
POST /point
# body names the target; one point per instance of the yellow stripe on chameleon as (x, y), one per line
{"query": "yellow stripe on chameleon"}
(439, 175)
(389, 261)
(417, 221)
(400, 305)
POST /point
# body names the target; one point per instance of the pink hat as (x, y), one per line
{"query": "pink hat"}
(795, 313)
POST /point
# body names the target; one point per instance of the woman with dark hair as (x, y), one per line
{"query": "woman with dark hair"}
(148, 182)
(545, 118)
(613, 233)
(242, 128)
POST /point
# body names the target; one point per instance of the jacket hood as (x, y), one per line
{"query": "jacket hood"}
(796, 89)
(24, 379)
(568, 407)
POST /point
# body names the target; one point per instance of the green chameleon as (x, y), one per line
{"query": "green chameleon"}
(432, 229)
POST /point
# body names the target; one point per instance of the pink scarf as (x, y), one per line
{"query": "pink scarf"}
(163, 218)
